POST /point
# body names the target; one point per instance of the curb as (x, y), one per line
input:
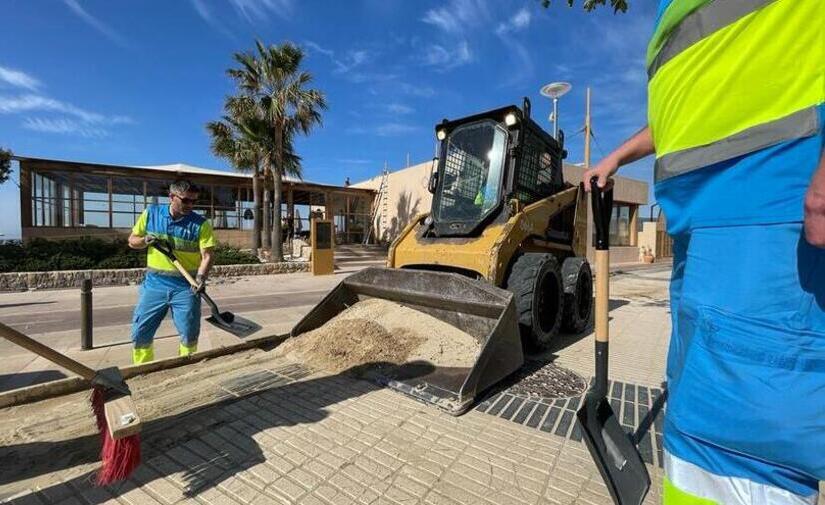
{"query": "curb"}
(69, 385)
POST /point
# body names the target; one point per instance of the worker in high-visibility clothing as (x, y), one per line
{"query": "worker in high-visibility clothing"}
(164, 288)
(736, 91)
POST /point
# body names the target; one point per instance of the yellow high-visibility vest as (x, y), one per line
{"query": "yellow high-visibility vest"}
(731, 77)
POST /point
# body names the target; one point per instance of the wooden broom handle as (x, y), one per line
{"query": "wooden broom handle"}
(602, 295)
(45, 351)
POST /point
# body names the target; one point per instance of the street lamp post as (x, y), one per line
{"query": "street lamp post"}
(555, 90)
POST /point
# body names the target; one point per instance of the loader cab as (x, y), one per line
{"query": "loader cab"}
(485, 161)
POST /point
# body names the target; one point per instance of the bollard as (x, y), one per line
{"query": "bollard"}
(86, 315)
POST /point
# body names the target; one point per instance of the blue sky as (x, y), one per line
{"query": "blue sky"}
(135, 82)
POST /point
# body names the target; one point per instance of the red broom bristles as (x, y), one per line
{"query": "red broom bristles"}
(120, 457)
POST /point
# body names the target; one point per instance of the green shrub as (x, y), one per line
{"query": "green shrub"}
(86, 253)
(226, 255)
(134, 260)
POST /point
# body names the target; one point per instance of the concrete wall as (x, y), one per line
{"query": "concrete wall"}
(647, 237)
(21, 281)
(406, 195)
(625, 190)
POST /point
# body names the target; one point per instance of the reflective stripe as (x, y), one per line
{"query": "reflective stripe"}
(800, 124)
(143, 355)
(675, 496)
(186, 350)
(756, 70)
(693, 485)
(701, 23)
(667, 22)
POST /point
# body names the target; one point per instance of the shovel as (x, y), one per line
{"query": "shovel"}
(613, 450)
(227, 321)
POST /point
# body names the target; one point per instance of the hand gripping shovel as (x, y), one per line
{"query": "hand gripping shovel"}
(613, 451)
(227, 321)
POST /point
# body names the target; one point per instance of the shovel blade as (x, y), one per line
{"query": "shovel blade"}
(236, 325)
(614, 453)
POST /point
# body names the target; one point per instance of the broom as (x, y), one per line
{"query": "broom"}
(112, 405)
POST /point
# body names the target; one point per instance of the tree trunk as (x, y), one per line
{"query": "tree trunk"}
(267, 225)
(277, 240)
(277, 174)
(256, 213)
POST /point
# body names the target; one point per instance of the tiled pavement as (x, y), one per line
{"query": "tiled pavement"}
(337, 440)
(276, 435)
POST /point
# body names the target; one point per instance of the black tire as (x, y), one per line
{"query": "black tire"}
(536, 283)
(578, 295)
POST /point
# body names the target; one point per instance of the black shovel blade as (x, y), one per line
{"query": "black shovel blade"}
(613, 451)
(236, 325)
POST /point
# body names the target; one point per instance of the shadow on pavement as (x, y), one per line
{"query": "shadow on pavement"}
(23, 304)
(22, 379)
(203, 447)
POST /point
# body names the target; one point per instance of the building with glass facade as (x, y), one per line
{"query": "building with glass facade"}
(70, 199)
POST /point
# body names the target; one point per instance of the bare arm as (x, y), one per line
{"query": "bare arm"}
(815, 207)
(206, 262)
(636, 147)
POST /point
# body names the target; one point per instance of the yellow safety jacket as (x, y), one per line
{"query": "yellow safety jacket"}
(731, 77)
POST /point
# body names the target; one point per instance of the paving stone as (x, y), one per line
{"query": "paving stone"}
(57, 492)
(138, 496)
(240, 489)
(75, 501)
(287, 488)
(304, 478)
(28, 497)
(90, 493)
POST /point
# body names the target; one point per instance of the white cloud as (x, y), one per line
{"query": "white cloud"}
(518, 22)
(353, 59)
(399, 108)
(459, 16)
(395, 129)
(94, 22)
(259, 10)
(390, 129)
(19, 79)
(205, 13)
(350, 161)
(350, 65)
(447, 58)
(64, 126)
(319, 49)
(414, 90)
(32, 103)
(70, 120)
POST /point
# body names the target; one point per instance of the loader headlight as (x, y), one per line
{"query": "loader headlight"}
(441, 134)
(510, 119)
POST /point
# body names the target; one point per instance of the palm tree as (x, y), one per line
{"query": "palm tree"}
(230, 142)
(245, 138)
(273, 78)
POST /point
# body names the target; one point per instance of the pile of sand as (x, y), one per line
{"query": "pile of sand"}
(376, 330)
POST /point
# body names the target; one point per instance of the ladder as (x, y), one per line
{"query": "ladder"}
(380, 204)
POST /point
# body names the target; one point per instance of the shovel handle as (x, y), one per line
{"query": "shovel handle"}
(45, 351)
(602, 200)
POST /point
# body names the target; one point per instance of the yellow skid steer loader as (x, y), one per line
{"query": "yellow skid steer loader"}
(500, 256)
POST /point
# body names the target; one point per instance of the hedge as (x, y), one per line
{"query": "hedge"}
(41, 255)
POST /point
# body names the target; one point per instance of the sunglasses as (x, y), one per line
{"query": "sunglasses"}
(187, 201)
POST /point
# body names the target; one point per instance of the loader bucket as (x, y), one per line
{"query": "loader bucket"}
(483, 311)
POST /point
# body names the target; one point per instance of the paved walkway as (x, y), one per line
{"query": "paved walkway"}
(276, 302)
(260, 429)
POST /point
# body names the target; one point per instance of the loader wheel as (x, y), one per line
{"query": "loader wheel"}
(578, 295)
(535, 282)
